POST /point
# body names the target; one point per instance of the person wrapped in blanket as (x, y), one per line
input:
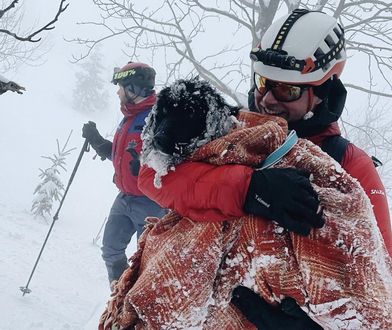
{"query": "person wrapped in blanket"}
(206, 192)
(186, 272)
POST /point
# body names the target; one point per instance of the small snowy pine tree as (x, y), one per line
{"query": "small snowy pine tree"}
(50, 188)
(89, 94)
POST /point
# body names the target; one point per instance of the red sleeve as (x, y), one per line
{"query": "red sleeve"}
(360, 166)
(200, 191)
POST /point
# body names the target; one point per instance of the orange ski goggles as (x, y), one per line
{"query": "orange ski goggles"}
(281, 91)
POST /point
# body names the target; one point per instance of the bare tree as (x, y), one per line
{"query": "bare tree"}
(90, 94)
(16, 45)
(176, 28)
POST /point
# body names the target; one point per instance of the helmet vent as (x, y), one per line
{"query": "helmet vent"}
(329, 41)
(337, 32)
(318, 53)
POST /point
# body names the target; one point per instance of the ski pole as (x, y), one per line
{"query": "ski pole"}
(95, 240)
(25, 289)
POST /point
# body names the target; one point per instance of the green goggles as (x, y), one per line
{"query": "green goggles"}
(121, 75)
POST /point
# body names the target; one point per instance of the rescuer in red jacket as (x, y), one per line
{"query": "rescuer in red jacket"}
(296, 76)
(137, 96)
(312, 102)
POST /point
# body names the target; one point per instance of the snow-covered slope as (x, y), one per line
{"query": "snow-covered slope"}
(69, 287)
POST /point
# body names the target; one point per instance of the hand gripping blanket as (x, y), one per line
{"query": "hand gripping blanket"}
(184, 272)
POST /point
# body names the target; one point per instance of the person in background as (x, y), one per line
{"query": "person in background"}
(296, 76)
(136, 92)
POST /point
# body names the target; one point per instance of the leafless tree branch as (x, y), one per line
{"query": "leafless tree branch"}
(11, 5)
(30, 37)
(367, 90)
(16, 45)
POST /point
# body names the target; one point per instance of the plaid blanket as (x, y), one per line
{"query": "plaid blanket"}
(184, 272)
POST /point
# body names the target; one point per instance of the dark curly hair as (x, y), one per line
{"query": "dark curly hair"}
(184, 112)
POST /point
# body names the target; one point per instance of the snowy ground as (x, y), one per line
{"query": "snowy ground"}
(69, 287)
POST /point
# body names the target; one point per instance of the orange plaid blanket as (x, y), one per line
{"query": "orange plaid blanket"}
(184, 272)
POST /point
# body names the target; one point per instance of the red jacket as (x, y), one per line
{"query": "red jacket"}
(129, 130)
(203, 191)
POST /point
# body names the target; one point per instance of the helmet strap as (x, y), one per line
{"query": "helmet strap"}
(138, 90)
(130, 95)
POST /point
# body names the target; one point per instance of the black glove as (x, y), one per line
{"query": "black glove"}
(91, 134)
(264, 316)
(134, 164)
(100, 145)
(286, 196)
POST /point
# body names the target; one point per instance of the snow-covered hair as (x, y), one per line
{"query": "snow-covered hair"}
(193, 113)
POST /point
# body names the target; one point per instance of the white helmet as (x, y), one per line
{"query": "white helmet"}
(305, 47)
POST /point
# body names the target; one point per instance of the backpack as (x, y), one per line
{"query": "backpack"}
(336, 146)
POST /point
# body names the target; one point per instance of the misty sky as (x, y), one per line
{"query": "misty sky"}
(29, 126)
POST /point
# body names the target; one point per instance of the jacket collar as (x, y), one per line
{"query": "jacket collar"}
(331, 130)
(129, 109)
(325, 114)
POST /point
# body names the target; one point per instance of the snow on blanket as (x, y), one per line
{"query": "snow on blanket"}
(184, 272)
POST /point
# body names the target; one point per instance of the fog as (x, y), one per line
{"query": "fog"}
(29, 126)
